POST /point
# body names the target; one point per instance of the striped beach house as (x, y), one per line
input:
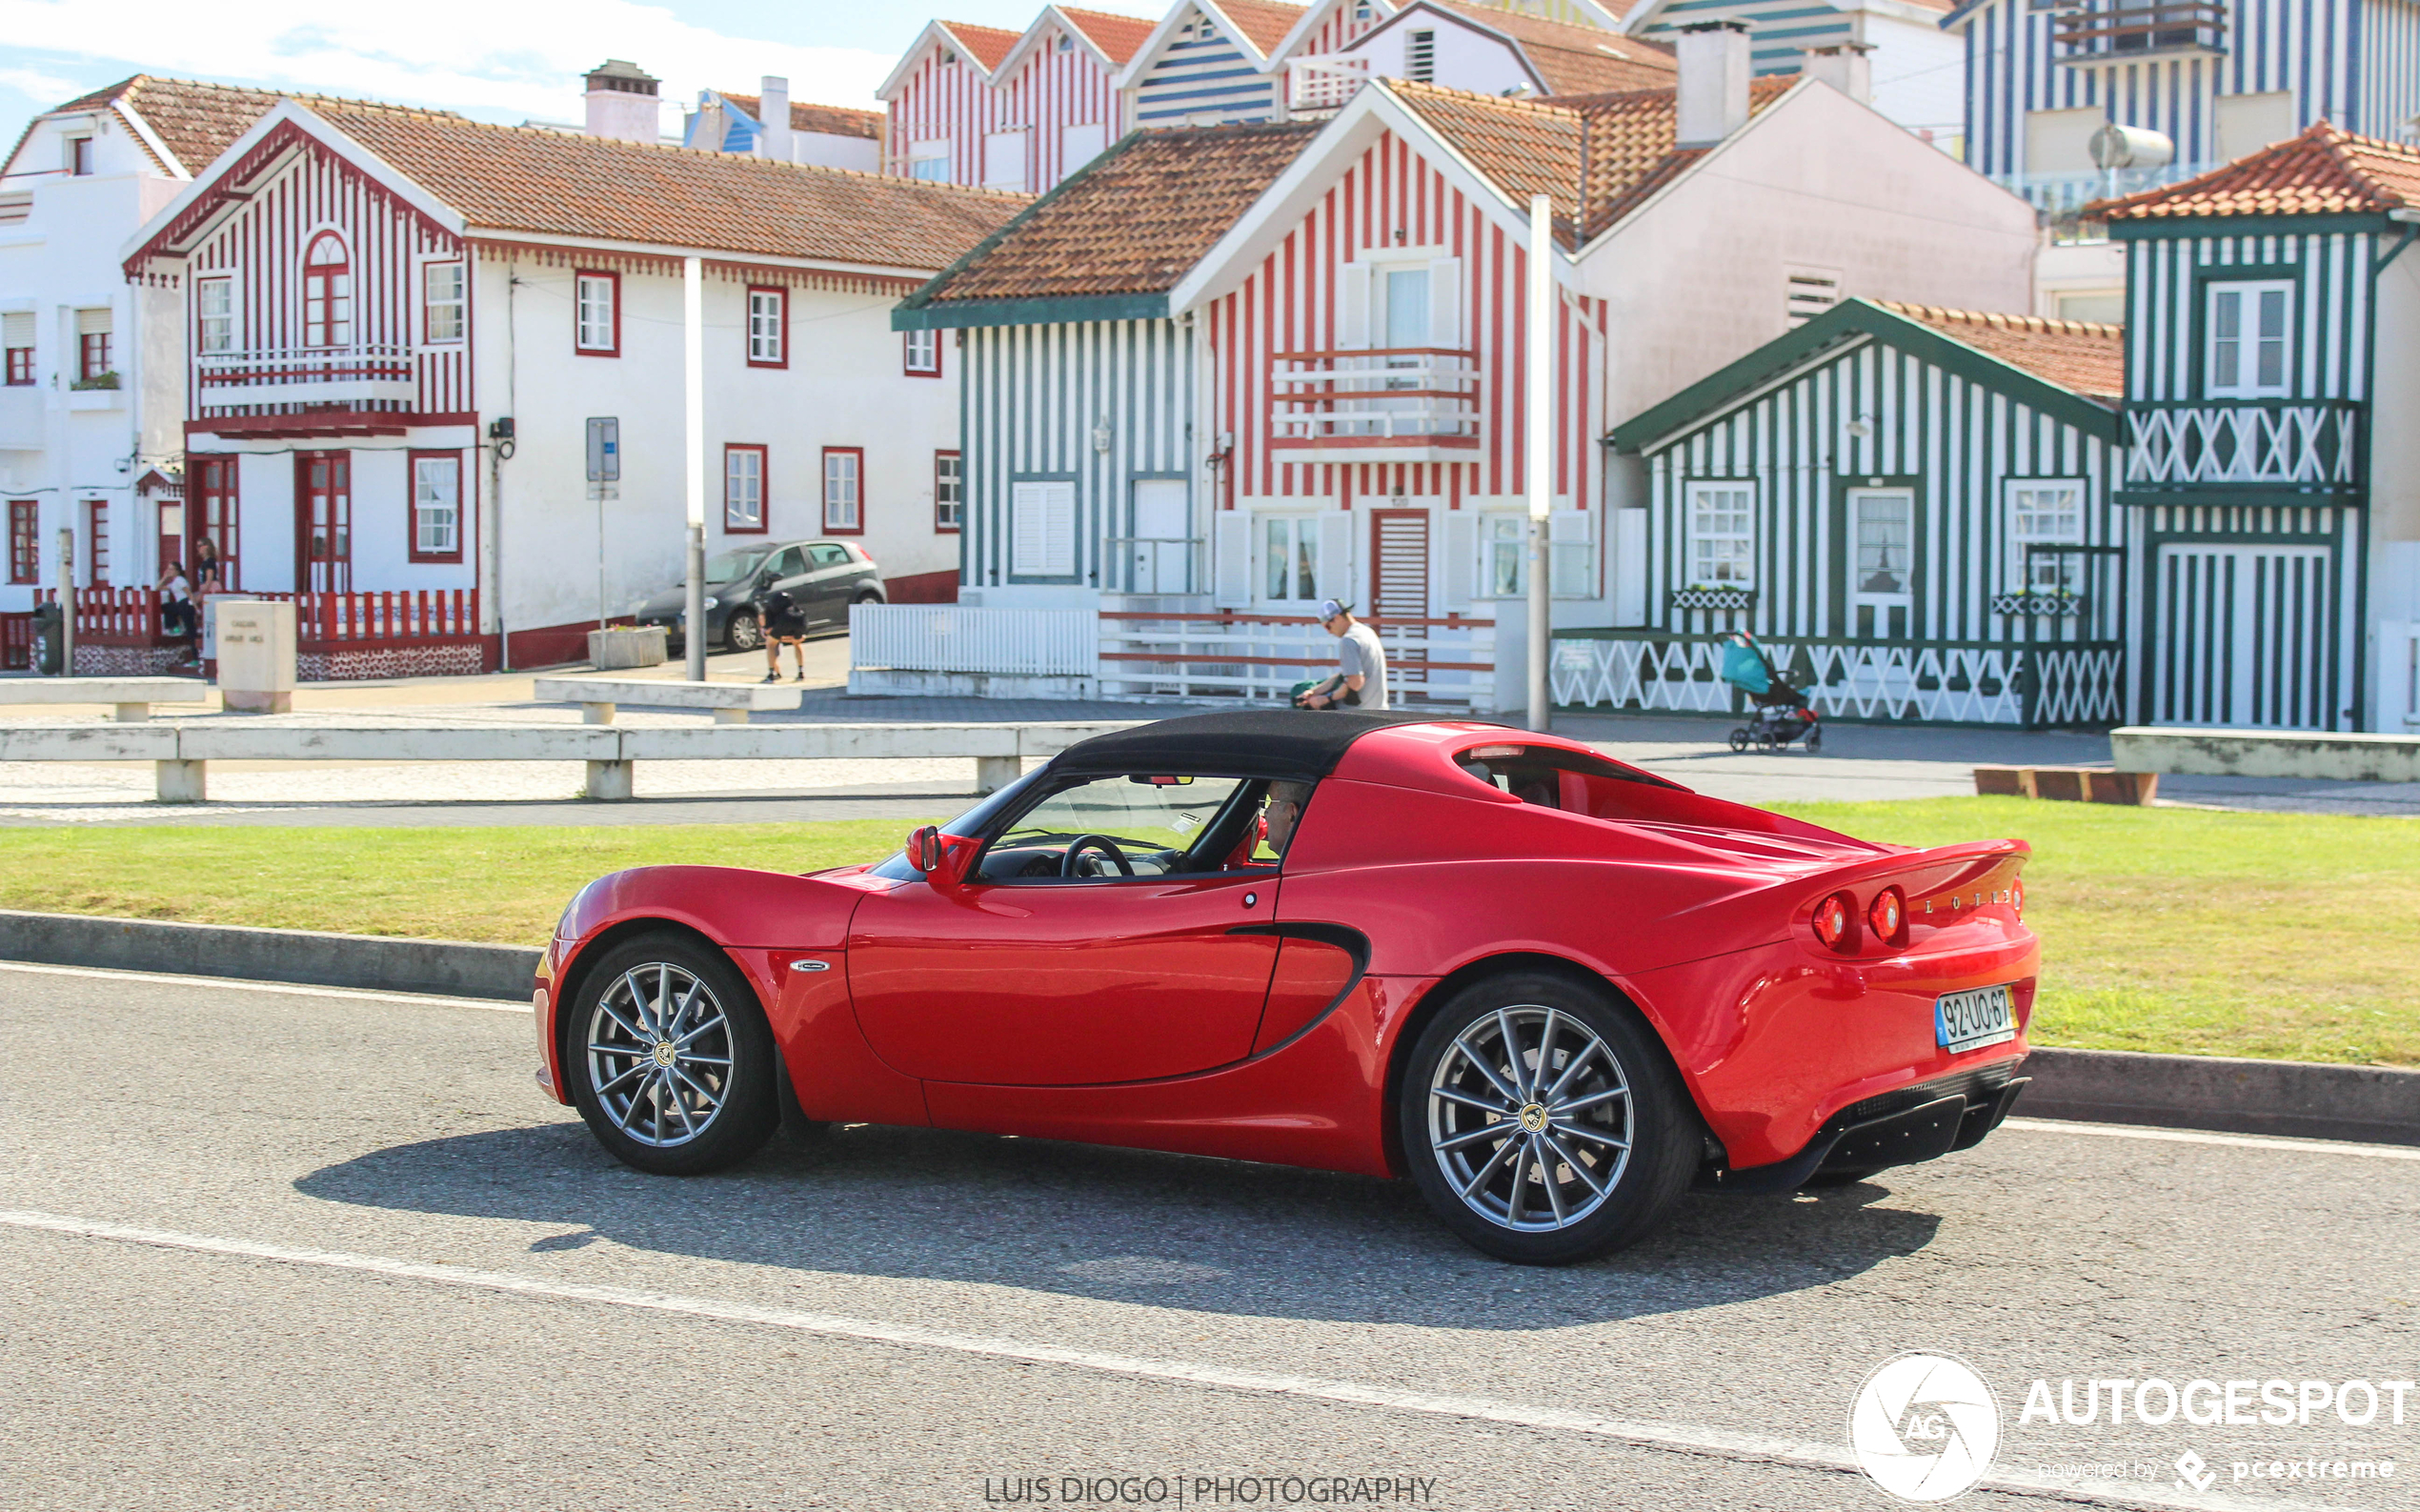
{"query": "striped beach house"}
(1913, 508)
(1227, 372)
(1917, 70)
(2272, 461)
(1008, 109)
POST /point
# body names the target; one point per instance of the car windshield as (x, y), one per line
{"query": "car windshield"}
(729, 565)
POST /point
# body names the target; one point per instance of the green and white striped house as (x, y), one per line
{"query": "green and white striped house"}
(1910, 506)
(2272, 429)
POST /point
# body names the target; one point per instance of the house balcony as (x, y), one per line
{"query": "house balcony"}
(1378, 404)
(2101, 32)
(364, 373)
(1323, 81)
(2300, 446)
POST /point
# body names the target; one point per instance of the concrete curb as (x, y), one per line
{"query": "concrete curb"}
(449, 968)
(2376, 1104)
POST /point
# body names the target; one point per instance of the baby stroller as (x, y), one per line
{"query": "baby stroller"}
(1780, 714)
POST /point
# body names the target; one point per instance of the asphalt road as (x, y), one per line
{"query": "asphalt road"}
(269, 1247)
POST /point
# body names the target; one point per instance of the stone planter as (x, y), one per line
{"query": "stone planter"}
(615, 650)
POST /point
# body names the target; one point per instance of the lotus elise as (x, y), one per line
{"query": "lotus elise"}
(1552, 990)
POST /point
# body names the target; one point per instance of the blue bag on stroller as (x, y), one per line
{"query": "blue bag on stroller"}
(1779, 712)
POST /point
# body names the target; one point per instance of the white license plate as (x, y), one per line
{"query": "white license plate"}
(1969, 1021)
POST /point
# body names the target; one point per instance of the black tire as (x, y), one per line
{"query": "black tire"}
(668, 1128)
(1815, 739)
(1665, 1139)
(1823, 1181)
(1739, 740)
(741, 631)
(867, 597)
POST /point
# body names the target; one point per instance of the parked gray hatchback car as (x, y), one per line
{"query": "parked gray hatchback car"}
(823, 579)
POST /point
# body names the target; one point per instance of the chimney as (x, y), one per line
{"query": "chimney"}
(1845, 67)
(622, 103)
(773, 117)
(1713, 91)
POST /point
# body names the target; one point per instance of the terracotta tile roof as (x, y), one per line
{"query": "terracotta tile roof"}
(1601, 156)
(2326, 170)
(1135, 222)
(2082, 356)
(985, 44)
(1119, 37)
(1576, 59)
(518, 179)
(198, 121)
(831, 120)
(1266, 21)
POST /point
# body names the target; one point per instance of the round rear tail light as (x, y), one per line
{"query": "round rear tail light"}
(1887, 914)
(2016, 896)
(1833, 919)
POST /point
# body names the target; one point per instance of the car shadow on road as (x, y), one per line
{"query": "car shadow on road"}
(1166, 1230)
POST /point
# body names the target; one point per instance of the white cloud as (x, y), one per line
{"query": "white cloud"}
(40, 84)
(502, 61)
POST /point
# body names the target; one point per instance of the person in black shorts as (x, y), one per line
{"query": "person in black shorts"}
(785, 624)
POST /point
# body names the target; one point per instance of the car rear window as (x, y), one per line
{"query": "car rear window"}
(1552, 777)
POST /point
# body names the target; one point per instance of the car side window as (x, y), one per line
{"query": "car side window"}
(827, 554)
(1133, 825)
(786, 563)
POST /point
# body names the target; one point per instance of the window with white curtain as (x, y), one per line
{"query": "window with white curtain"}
(1290, 559)
(1722, 535)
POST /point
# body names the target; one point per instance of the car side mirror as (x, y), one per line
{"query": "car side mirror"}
(924, 849)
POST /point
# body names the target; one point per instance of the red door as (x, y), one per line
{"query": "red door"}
(1063, 985)
(323, 522)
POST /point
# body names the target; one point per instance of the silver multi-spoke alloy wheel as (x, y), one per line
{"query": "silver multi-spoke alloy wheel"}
(1531, 1118)
(660, 1054)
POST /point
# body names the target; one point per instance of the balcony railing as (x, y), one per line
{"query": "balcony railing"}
(1378, 396)
(1323, 81)
(301, 375)
(2098, 32)
(2312, 445)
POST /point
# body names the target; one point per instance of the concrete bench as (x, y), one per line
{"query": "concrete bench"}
(731, 702)
(2268, 754)
(130, 697)
(183, 752)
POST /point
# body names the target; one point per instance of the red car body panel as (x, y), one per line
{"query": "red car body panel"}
(1256, 1015)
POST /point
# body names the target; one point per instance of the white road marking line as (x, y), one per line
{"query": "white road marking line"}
(2249, 1141)
(1684, 1438)
(290, 989)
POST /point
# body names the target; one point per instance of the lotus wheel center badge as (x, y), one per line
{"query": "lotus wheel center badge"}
(1533, 1118)
(664, 1053)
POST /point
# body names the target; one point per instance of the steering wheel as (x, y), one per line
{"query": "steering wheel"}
(1097, 842)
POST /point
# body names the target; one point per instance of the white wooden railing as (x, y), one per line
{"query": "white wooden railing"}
(1424, 394)
(2250, 441)
(962, 638)
(1323, 81)
(1430, 663)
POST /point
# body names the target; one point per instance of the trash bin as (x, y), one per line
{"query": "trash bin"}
(49, 646)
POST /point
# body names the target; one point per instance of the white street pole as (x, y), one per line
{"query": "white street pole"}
(1539, 438)
(693, 319)
(67, 600)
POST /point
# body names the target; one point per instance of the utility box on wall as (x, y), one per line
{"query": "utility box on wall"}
(255, 643)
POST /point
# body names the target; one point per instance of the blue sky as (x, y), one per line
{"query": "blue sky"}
(510, 62)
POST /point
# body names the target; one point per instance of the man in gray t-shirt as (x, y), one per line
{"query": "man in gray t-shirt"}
(1360, 664)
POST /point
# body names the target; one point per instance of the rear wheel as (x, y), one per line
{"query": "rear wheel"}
(1543, 1122)
(670, 1058)
(743, 632)
(1814, 737)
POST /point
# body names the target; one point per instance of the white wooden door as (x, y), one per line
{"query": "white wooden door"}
(1882, 541)
(1159, 557)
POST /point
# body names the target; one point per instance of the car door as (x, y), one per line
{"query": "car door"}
(1020, 977)
(832, 575)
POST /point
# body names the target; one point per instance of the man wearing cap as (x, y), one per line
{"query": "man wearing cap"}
(1361, 666)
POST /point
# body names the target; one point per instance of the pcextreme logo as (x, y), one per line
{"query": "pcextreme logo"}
(1925, 1427)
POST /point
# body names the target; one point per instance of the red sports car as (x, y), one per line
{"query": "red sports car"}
(1551, 989)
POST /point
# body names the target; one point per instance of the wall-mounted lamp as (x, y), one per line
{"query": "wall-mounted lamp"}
(1862, 427)
(1101, 435)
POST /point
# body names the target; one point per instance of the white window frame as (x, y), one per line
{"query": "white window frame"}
(2247, 384)
(768, 327)
(843, 490)
(1504, 541)
(436, 508)
(930, 160)
(1041, 549)
(1734, 564)
(457, 305)
(920, 354)
(1287, 545)
(2022, 526)
(594, 328)
(214, 329)
(743, 488)
(992, 178)
(949, 492)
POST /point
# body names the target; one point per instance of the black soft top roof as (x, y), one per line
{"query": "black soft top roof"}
(1288, 744)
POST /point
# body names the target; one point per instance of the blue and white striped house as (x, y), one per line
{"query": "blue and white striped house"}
(2272, 469)
(2219, 78)
(1912, 507)
(1913, 67)
(1210, 62)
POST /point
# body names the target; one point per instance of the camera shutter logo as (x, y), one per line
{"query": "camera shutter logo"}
(1925, 1427)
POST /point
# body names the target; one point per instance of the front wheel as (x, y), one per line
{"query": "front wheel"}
(670, 1058)
(1543, 1122)
(1739, 740)
(743, 632)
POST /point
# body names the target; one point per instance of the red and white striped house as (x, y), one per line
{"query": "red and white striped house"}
(1236, 369)
(1006, 110)
(400, 324)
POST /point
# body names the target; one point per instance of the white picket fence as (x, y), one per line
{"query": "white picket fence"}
(1949, 684)
(959, 638)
